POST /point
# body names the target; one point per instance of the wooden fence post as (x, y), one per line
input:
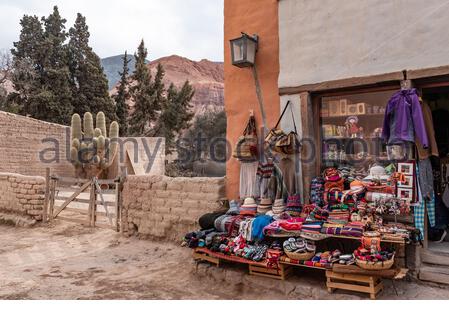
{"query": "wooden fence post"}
(47, 195)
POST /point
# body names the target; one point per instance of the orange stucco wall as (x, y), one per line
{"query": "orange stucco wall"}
(253, 17)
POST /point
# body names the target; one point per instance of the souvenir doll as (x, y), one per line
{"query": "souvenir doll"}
(353, 130)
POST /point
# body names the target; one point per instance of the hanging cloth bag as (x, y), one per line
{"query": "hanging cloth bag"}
(280, 142)
(246, 146)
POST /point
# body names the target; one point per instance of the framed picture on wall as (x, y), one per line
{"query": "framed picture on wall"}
(407, 183)
(405, 194)
(407, 168)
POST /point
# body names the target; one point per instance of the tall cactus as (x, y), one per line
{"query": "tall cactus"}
(92, 152)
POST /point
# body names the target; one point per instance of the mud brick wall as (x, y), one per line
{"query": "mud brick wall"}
(166, 208)
(21, 140)
(22, 195)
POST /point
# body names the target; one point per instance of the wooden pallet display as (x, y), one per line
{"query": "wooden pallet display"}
(255, 268)
(354, 282)
(281, 273)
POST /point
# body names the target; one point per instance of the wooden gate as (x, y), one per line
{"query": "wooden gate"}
(92, 202)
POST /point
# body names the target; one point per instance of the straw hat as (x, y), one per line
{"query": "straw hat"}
(249, 207)
(278, 206)
(264, 206)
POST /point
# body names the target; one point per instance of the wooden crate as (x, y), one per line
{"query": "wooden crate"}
(201, 256)
(354, 282)
(280, 274)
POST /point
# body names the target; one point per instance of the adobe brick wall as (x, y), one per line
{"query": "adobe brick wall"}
(166, 208)
(21, 140)
(21, 196)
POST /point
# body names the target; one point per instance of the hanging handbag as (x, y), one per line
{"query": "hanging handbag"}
(280, 142)
(246, 146)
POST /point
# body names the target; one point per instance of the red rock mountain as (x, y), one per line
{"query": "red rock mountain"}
(206, 77)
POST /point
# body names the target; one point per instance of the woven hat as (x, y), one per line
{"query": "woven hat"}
(264, 206)
(233, 207)
(249, 202)
(249, 207)
(332, 175)
(278, 206)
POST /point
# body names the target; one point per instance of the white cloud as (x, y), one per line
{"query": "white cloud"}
(190, 28)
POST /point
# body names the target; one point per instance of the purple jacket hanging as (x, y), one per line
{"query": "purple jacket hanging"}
(404, 119)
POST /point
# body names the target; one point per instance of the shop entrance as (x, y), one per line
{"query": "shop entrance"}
(438, 100)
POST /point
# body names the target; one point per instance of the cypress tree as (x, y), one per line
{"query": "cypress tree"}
(56, 94)
(89, 83)
(41, 74)
(146, 95)
(122, 96)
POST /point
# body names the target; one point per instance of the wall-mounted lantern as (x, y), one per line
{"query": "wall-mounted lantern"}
(243, 50)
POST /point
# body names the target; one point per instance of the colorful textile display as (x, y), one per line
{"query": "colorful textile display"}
(258, 224)
(317, 191)
(312, 227)
(294, 206)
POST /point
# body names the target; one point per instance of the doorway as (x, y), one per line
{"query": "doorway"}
(437, 99)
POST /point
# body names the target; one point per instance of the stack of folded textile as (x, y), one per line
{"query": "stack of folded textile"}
(338, 217)
(264, 206)
(312, 227)
(290, 227)
(249, 207)
(278, 206)
(332, 228)
(353, 229)
(229, 224)
(294, 206)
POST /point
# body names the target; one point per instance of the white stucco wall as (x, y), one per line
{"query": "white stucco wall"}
(323, 40)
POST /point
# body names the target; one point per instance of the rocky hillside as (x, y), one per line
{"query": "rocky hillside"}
(113, 65)
(206, 77)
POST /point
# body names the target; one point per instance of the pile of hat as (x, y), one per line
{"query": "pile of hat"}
(294, 206)
(249, 207)
(278, 206)
(264, 206)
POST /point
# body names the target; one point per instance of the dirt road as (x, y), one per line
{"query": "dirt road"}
(68, 261)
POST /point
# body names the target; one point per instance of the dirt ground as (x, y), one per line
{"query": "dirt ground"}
(69, 261)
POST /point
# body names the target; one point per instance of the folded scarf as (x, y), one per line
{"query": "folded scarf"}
(258, 226)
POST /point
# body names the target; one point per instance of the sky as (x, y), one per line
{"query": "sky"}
(189, 28)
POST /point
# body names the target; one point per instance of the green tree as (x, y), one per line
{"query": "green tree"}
(146, 95)
(176, 114)
(41, 75)
(208, 129)
(89, 83)
(122, 96)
